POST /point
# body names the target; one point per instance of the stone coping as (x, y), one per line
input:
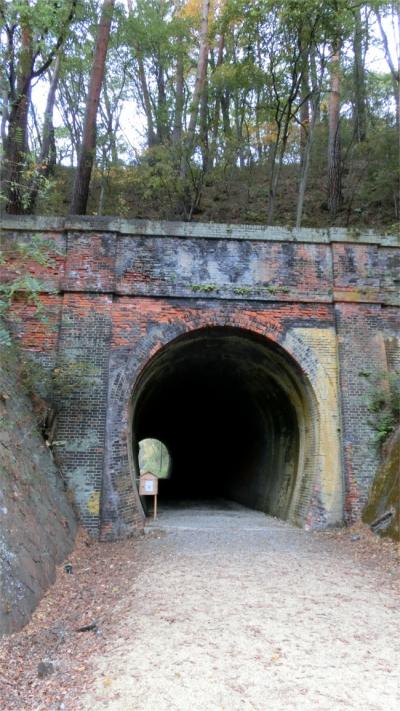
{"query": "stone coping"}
(203, 230)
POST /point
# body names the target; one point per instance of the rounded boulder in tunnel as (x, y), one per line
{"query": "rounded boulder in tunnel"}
(232, 410)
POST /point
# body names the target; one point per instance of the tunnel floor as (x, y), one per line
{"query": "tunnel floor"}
(173, 508)
(230, 407)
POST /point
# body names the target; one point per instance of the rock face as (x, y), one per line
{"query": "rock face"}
(382, 512)
(37, 523)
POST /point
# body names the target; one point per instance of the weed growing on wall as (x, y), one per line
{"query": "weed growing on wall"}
(49, 388)
(21, 283)
(383, 401)
(46, 387)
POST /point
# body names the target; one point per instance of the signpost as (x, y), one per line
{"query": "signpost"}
(148, 486)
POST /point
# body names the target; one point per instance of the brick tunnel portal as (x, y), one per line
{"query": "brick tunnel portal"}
(235, 413)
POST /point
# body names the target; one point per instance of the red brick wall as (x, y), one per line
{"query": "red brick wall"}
(121, 297)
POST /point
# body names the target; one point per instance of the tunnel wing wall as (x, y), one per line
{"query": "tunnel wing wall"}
(317, 348)
(369, 352)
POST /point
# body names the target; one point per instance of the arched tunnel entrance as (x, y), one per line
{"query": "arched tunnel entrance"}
(235, 413)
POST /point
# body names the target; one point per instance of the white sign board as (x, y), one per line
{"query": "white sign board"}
(149, 487)
(148, 484)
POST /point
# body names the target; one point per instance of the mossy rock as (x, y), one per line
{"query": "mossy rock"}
(385, 493)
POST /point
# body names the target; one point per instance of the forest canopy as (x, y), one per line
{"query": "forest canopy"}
(226, 110)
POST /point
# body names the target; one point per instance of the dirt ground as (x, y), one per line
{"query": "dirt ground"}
(217, 608)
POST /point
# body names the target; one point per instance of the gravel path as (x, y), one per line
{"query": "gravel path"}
(230, 610)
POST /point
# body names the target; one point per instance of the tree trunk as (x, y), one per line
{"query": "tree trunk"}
(4, 116)
(47, 156)
(68, 105)
(204, 125)
(217, 106)
(146, 102)
(162, 111)
(198, 87)
(315, 101)
(276, 169)
(83, 174)
(100, 207)
(394, 71)
(335, 197)
(32, 112)
(304, 50)
(48, 151)
(239, 133)
(151, 136)
(305, 165)
(109, 113)
(16, 145)
(360, 108)
(314, 83)
(179, 100)
(18, 102)
(304, 110)
(225, 109)
(283, 117)
(7, 89)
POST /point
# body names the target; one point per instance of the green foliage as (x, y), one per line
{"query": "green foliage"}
(29, 173)
(263, 58)
(246, 290)
(55, 385)
(28, 285)
(49, 388)
(156, 180)
(242, 75)
(383, 402)
(243, 290)
(205, 288)
(37, 249)
(5, 338)
(154, 458)
(45, 19)
(157, 175)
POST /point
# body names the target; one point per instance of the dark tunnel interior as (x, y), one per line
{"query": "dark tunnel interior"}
(229, 406)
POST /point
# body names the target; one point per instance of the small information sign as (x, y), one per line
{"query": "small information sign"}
(148, 486)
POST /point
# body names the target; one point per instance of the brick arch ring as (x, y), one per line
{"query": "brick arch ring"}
(121, 510)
